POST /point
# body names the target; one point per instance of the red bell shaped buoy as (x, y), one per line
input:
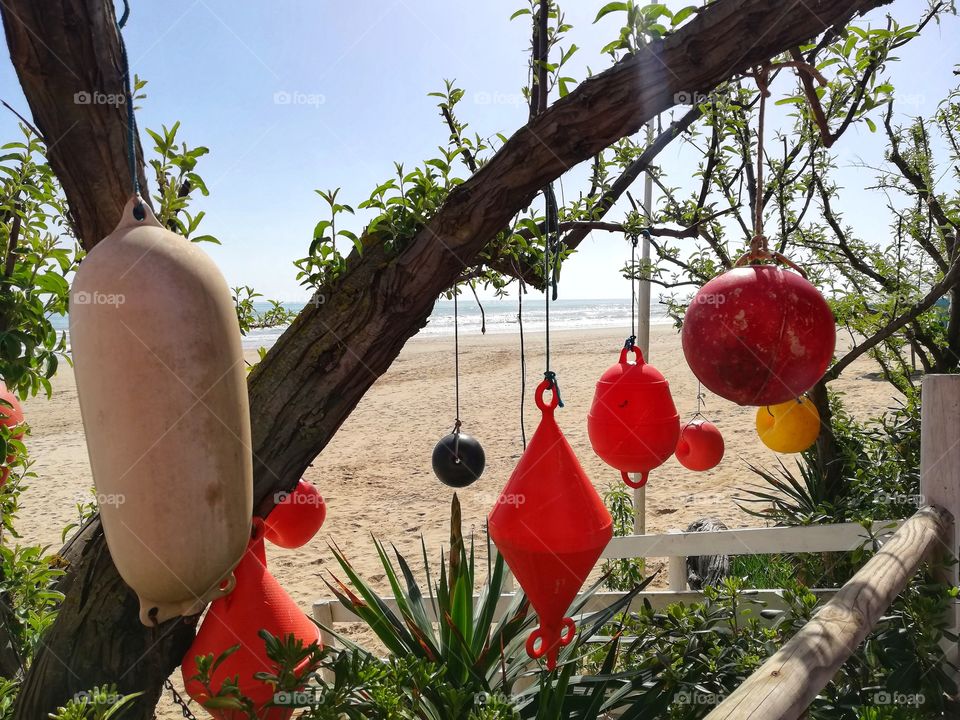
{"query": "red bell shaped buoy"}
(297, 517)
(759, 335)
(700, 446)
(550, 525)
(256, 603)
(633, 424)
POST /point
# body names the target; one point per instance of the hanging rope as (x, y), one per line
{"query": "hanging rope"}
(759, 239)
(631, 341)
(138, 211)
(456, 361)
(550, 279)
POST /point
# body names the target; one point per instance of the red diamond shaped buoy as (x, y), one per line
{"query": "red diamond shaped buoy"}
(551, 526)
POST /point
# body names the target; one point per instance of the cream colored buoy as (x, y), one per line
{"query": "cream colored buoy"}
(162, 388)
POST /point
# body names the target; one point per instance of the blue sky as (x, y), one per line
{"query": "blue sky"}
(357, 76)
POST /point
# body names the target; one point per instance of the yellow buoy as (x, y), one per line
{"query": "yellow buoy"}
(789, 427)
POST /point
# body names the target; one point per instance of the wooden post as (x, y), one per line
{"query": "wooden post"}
(940, 476)
(323, 614)
(677, 569)
(787, 683)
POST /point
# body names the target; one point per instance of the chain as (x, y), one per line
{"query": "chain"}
(184, 708)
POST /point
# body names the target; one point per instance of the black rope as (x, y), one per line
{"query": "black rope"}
(523, 365)
(456, 359)
(550, 278)
(138, 211)
(631, 341)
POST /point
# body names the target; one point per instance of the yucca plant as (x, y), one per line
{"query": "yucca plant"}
(789, 500)
(482, 651)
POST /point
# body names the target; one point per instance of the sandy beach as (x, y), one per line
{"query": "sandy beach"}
(376, 475)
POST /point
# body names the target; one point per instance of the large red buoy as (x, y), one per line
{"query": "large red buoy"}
(297, 517)
(550, 525)
(633, 423)
(759, 335)
(700, 446)
(257, 603)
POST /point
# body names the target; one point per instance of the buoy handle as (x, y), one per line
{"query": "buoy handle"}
(550, 641)
(637, 355)
(544, 406)
(635, 484)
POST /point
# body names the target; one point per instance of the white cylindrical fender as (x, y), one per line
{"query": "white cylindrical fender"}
(162, 388)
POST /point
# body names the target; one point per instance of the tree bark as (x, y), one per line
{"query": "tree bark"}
(322, 365)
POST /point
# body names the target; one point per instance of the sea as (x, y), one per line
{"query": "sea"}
(491, 316)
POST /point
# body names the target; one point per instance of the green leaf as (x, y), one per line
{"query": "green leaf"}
(611, 7)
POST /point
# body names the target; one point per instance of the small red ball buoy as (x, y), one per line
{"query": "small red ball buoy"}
(297, 517)
(700, 446)
(257, 602)
(11, 416)
(633, 424)
(758, 335)
(11, 412)
(551, 526)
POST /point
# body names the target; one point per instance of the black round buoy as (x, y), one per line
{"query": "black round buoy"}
(458, 460)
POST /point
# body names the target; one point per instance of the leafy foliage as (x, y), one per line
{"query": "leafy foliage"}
(37, 251)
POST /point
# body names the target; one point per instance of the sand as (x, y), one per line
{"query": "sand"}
(376, 475)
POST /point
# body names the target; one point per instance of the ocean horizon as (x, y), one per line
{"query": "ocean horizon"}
(497, 316)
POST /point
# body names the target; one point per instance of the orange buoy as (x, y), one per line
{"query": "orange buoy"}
(789, 427)
(257, 603)
(297, 517)
(633, 424)
(551, 526)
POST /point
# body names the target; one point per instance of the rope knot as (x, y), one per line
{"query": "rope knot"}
(551, 377)
(630, 342)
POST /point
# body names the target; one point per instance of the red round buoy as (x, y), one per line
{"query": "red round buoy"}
(550, 525)
(297, 517)
(758, 335)
(11, 412)
(258, 602)
(700, 446)
(11, 416)
(633, 424)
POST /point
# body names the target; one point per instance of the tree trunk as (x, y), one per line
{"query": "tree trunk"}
(317, 372)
